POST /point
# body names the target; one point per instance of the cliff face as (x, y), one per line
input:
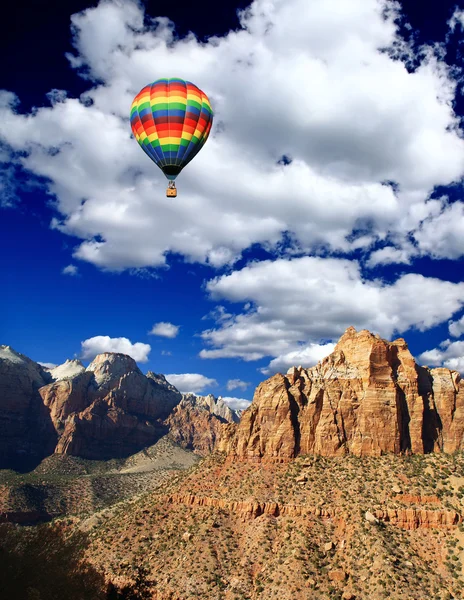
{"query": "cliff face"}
(367, 398)
(26, 434)
(199, 422)
(109, 410)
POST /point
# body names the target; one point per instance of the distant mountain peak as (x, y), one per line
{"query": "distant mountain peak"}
(36, 373)
(112, 365)
(69, 369)
(216, 406)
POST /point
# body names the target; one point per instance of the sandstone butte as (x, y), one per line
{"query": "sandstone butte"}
(367, 398)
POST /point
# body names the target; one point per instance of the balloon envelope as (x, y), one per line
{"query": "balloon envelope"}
(171, 120)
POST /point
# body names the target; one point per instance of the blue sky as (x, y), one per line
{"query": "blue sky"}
(260, 262)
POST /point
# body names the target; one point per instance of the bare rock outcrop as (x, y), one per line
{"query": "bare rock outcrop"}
(407, 518)
(109, 410)
(68, 369)
(26, 434)
(367, 398)
(199, 422)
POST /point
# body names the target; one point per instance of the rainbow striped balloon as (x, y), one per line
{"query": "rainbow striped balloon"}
(171, 120)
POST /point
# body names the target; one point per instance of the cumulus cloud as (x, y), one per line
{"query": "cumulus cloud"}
(391, 255)
(190, 382)
(103, 343)
(443, 236)
(70, 270)
(306, 357)
(163, 329)
(236, 384)
(309, 299)
(351, 115)
(456, 328)
(237, 403)
(448, 354)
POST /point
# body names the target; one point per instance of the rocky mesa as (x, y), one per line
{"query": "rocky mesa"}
(367, 398)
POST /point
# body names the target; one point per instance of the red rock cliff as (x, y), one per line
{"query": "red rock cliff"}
(368, 397)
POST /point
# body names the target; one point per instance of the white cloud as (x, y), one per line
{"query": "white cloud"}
(47, 365)
(70, 270)
(166, 353)
(443, 236)
(103, 343)
(456, 328)
(237, 403)
(306, 357)
(457, 19)
(448, 354)
(390, 255)
(190, 382)
(309, 299)
(236, 384)
(164, 329)
(350, 115)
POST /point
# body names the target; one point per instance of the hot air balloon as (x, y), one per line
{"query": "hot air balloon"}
(171, 120)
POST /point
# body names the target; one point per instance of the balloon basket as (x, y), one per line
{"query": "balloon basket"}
(171, 192)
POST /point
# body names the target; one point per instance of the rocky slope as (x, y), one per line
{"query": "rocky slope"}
(66, 485)
(315, 527)
(26, 433)
(70, 368)
(367, 398)
(109, 409)
(198, 422)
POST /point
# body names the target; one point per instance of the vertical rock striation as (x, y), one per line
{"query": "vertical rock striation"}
(367, 398)
(199, 422)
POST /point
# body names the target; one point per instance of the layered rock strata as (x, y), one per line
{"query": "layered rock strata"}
(367, 398)
(109, 409)
(199, 422)
(406, 518)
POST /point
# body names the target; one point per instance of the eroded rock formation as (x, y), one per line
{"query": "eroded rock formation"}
(406, 518)
(367, 398)
(199, 422)
(26, 434)
(109, 410)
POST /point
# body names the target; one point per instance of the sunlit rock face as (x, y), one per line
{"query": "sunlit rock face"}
(111, 409)
(200, 422)
(367, 398)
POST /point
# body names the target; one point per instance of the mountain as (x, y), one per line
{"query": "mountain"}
(108, 410)
(367, 398)
(68, 369)
(199, 422)
(341, 481)
(26, 433)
